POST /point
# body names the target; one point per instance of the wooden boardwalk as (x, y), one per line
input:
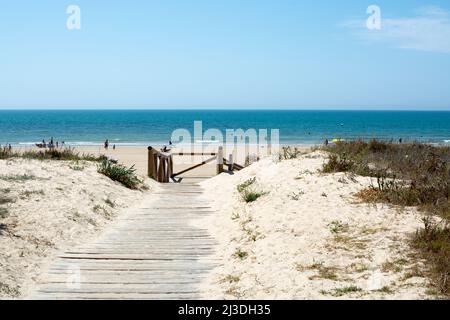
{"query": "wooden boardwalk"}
(150, 253)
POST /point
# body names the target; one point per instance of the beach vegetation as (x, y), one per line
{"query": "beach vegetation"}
(17, 177)
(230, 279)
(29, 193)
(248, 192)
(110, 203)
(251, 196)
(337, 226)
(338, 292)
(296, 195)
(324, 272)
(240, 254)
(60, 154)
(50, 154)
(288, 153)
(244, 185)
(3, 213)
(120, 173)
(386, 290)
(406, 174)
(76, 166)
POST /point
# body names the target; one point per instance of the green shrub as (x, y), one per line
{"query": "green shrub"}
(120, 173)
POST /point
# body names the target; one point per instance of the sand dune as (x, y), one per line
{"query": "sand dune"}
(48, 206)
(308, 237)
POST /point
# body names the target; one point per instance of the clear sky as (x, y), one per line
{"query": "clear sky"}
(225, 54)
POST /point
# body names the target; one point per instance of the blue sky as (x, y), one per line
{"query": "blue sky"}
(225, 54)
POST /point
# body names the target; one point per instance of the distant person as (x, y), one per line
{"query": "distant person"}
(170, 142)
(400, 140)
(106, 144)
(326, 142)
(114, 147)
(57, 144)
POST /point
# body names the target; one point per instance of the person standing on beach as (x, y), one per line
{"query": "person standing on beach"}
(106, 144)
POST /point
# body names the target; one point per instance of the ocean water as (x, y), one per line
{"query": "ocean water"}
(147, 127)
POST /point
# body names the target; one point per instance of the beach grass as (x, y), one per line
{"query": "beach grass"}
(409, 174)
(120, 173)
(50, 154)
(248, 192)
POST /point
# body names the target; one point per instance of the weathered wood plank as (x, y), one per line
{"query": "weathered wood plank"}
(151, 253)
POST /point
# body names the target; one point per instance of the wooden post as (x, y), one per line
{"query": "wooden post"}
(230, 162)
(170, 166)
(247, 155)
(220, 160)
(151, 170)
(160, 168)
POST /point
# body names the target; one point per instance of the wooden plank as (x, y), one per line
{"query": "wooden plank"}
(151, 253)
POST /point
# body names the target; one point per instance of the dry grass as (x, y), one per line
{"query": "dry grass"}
(411, 174)
(50, 154)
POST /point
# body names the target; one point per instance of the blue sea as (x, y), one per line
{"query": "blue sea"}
(144, 127)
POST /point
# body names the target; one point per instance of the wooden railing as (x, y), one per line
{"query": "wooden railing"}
(160, 164)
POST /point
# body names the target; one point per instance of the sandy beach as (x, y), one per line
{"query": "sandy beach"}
(137, 156)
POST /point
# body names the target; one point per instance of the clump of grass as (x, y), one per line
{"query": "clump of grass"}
(346, 290)
(324, 272)
(110, 203)
(3, 213)
(76, 166)
(240, 254)
(247, 183)
(120, 173)
(230, 279)
(248, 193)
(5, 199)
(288, 153)
(337, 226)
(17, 177)
(296, 195)
(29, 193)
(251, 196)
(386, 290)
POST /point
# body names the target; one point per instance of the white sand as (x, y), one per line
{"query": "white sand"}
(63, 204)
(292, 252)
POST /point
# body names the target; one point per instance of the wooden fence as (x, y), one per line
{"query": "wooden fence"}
(160, 164)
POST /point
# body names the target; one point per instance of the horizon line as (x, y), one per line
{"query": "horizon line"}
(230, 109)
